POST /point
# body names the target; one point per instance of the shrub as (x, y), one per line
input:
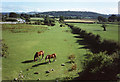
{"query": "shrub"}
(73, 67)
(76, 30)
(100, 67)
(71, 58)
(95, 62)
(109, 46)
(49, 21)
(71, 26)
(52, 24)
(94, 43)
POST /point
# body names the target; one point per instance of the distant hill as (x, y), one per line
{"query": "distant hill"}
(73, 14)
(82, 14)
(4, 13)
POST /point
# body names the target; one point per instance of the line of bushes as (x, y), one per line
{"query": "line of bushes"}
(94, 42)
(100, 67)
(104, 61)
(45, 22)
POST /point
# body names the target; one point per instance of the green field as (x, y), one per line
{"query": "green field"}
(24, 41)
(22, 45)
(110, 34)
(36, 18)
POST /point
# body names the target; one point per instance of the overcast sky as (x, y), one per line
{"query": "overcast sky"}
(99, 6)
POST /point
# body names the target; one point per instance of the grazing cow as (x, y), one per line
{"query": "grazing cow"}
(37, 54)
(50, 56)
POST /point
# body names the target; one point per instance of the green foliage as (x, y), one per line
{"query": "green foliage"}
(49, 21)
(26, 17)
(62, 25)
(38, 22)
(95, 62)
(14, 15)
(61, 19)
(102, 19)
(75, 14)
(104, 27)
(110, 34)
(72, 58)
(112, 18)
(11, 19)
(74, 67)
(118, 18)
(94, 42)
(4, 17)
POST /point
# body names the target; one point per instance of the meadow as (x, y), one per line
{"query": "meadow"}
(110, 34)
(24, 41)
(35, 19)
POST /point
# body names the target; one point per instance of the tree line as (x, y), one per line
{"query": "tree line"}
(103, 60)
(112, 18)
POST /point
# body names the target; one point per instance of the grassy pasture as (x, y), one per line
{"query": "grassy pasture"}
(110, 34)
(25, 40)
(33, 19)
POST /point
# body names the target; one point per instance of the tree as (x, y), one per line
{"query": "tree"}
(104, 27)
(47, 20)
(61, 19)
(112, 18)
(26, 17)
(95, 62)
(118, 18)
(102, 19)
(4, 17)
(13, 15)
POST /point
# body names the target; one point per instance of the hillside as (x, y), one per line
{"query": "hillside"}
(67, 14)
(80, 14)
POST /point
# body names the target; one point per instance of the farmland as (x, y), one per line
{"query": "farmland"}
(35, 19)
(24, 41)
(80, 20)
